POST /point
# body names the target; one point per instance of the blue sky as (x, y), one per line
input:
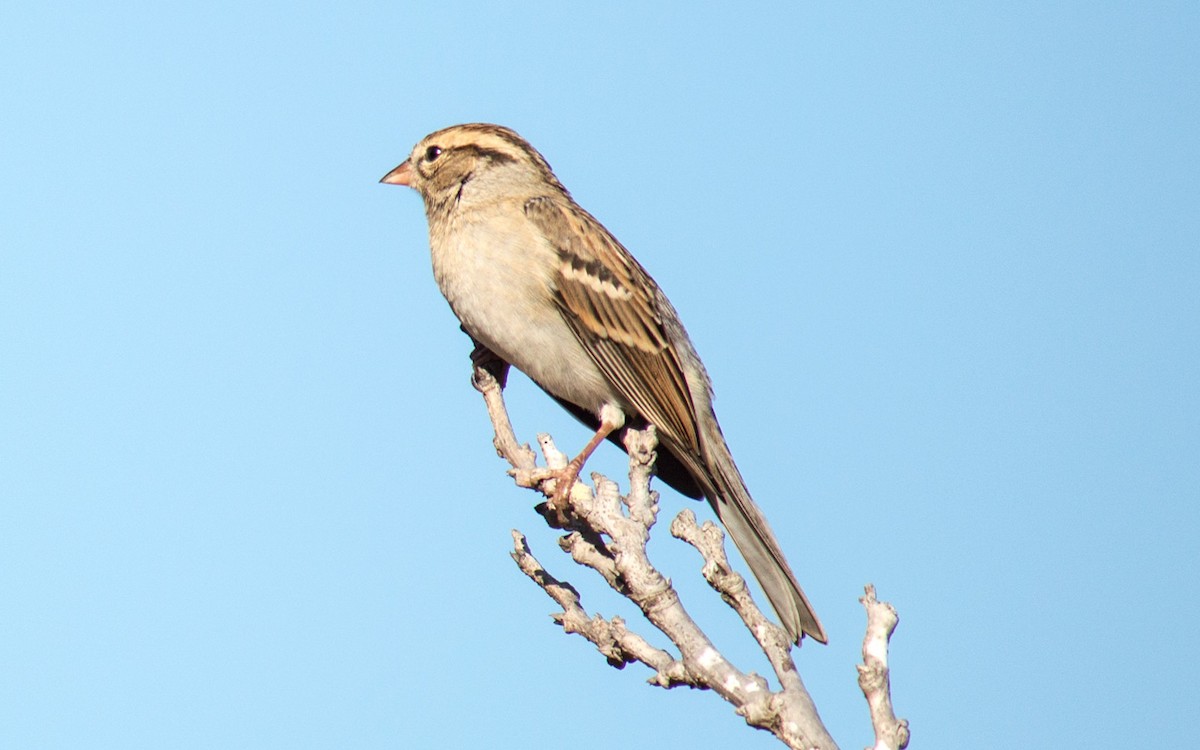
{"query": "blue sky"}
(942, 262)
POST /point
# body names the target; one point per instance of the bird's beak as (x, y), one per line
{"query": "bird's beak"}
(401, 175)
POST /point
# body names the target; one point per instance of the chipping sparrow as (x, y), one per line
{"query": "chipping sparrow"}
(541, 284)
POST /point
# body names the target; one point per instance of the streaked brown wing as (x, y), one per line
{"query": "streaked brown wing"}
(608, 300)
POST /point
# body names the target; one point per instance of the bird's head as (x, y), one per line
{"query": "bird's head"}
(451, 165)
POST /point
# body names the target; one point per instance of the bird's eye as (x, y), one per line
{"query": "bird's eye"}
(432, 153)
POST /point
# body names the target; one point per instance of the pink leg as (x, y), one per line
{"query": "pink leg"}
(569, 473)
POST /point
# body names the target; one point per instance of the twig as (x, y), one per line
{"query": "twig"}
(873, 674)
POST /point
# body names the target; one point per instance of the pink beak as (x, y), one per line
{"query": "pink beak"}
(401, 175)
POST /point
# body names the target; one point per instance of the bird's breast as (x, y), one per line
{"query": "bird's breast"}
(498, 276)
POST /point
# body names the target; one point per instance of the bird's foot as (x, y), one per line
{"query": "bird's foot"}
(564, 482)
(486, 360)
(556, 509)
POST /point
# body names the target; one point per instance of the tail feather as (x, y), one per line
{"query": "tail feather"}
(752, 535)
(748, 529)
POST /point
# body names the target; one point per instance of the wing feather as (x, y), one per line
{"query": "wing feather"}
(608, 300)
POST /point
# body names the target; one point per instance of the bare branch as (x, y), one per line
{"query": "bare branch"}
(608, 533)
(611, 638)
(873, 674)
(798, 707)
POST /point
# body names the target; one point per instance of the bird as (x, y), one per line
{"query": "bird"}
(541, 284)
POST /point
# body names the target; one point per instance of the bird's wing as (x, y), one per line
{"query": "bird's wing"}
(610, 303)
(608, 300)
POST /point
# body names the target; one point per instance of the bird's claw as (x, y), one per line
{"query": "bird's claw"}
(564, 482)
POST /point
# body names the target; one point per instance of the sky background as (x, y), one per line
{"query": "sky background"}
(942, 262)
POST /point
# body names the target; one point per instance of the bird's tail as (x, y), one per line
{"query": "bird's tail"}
(749, 530)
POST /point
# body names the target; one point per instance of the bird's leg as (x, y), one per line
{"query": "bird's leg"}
(569, 473)
(610, 419)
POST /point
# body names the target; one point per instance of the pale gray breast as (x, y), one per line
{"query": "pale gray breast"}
(500, 285)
